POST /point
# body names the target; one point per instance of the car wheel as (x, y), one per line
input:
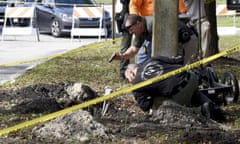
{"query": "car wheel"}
(55, 28)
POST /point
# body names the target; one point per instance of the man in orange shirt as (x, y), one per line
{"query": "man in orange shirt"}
(182, 7)
(141, 7)
(145, 7)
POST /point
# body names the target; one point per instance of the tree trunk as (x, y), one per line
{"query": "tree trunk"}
(211, 15)
(165, 36)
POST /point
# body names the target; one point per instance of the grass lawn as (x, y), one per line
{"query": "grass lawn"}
(228, 21)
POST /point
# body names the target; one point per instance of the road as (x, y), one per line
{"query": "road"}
(25, 48)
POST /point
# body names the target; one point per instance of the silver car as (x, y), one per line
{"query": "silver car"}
(55, 16)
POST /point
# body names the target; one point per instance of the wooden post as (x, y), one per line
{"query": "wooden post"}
(165, 35)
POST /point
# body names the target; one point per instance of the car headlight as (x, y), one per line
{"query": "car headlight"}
(64, 16)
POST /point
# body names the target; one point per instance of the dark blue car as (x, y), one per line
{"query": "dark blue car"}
(55, 16)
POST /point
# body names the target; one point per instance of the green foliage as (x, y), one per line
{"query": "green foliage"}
(104, 1)
(228, 21)
(221, 1)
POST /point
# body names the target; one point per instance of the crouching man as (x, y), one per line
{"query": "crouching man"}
(181, 88)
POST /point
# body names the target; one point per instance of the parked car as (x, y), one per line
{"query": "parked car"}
(233, 5)
(55, 16)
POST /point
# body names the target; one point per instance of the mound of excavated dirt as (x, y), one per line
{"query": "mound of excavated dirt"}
(46, 97)
(78, 125)
(172, 114)
(122, 122)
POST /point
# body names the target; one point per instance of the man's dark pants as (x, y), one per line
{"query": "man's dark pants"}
(125, 44)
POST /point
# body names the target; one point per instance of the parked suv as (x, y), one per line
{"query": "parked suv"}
(55, 16)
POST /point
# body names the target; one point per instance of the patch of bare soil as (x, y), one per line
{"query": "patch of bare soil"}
(124, 122)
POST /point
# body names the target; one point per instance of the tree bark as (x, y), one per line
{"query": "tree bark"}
(210, 8)
(165, 36)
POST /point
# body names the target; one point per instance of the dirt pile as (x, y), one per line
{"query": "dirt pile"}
(172, 114)
(46, 97)
(78, 125)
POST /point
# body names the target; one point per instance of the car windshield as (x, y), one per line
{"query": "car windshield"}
(77, 2)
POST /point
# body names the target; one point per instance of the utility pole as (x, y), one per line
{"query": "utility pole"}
(165, 33)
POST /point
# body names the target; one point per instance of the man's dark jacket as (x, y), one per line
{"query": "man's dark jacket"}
(165, 88)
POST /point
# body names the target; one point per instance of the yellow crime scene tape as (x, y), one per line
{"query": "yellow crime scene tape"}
(114, 94)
